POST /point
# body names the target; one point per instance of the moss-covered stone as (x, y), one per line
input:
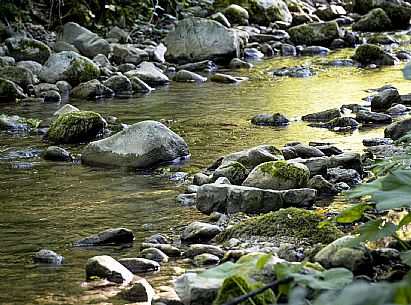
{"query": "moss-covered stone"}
(81, 71)
(376, 20)
(290, 222)
(28, 49)
(20, 76)
(372, 54)
(238, 285)
(234, 171)
(9, 91)
(322, 33)
(75, 127)
(362, 6)
(302, 34)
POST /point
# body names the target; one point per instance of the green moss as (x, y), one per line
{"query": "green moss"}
(362, 6)
(290, 222)
(368, 53)
(20, 76)
(237, 285)
(286, 171)
(329, 29)
(302, 34)
(236, 165)
(81, 71)
(26, 46)
(75, 127)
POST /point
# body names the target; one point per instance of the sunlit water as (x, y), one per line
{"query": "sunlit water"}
(54, 204)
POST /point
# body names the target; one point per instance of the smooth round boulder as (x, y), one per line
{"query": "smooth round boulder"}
(155, 255)
(375, 20)
(139, 265)
(91, 90)
(48, 257)
(55, 153)
(75, 127)
(106, 267)
(236, 14)
(120, 85)
(372, 54)
(278, 175)
(199, 231)
(276, 119)
(206, 259)
(166, 248)
(143, 145)
(188, 76)
(107, 237)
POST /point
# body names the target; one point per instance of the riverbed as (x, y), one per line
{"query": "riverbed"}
(53, 204)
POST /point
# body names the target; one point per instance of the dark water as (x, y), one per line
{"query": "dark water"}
(53, 204)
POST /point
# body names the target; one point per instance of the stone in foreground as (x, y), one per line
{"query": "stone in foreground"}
(106, 267)
(143, 145)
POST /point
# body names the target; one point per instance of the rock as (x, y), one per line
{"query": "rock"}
(368, 117)
(252, 53)
(225, 78)
(128, 54)
(397, 129)
(107, 237)
(236, 14)
(338, 124)
(305, 151)
(143, 145)
(90, 90)
(205, 65)
(148, 73)
(27, 49)
(288, 50)
(188, 76)
(220, 18)
(198, 249)
(278, 175)
(106, 267)
(167, 249)
(69, 66)
(322, 186)
(199, 231)
(252, 157)
(139, 265)
(372, 54)
(139, 86)
(20, 76)
(347, 160)
(206, 259)
(193, 289)
(376, 141)
(315, 33)
(235, 172)
(9, 91)
(237, 63)
(48, 257)
(349, 176)
(155, 255)
(66, 109)
(291, 222)
(186, 200)
(375, 20)
(60, 46)
(101, 60)
(276, 119)
(166, 296)
(330, 12)
(51, 96)
(63, 87)
(88, 43)
(298, 71)
(117, 33)
(314, 50)
(233, 199)
(222, 180)
(141, 291)
(316, 165)
(398, 109)
(197, 39)
(55, 153)
(329, 150)
(33, 66)
(322, 116)
(338, 254)
(262, 12)
(157, 239)
(200, 179)
(75, 127)
(44, 87)
(385, 99)
(120, 85)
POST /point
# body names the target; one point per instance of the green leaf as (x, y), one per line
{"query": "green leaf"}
(263, 260)
(222, 271)
(406, 257)
(335, 278)
(352, 213)
(406, 220)
(375, 229)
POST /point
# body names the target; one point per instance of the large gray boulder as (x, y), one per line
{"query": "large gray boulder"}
(385, 99)
(261, 11)
(69, 66)
(316, 33)
(197, 39)
(107, 237)
(120, 85)
(106, 267)
(398, 129)
(278, 175)
(88, 43)
(128, 54)
(27, 49)
(143, 145)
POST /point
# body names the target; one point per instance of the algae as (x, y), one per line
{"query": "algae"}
(302, 34)
(81, 71)
(289, 222)
(285, 171)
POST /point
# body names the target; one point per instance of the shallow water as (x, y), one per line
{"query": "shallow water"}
(53, 204)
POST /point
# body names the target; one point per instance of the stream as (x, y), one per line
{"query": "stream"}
(52, 204)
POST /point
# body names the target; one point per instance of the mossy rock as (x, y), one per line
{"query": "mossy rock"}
(28, 49)
(75, 127)
(20, 76)
(375, 20)
(9, 91)
(362, 6)
(238, 285)
(234, 171)
(322, 33)
(80, 71)
(291, 222)
(372, 54)
(278, 175)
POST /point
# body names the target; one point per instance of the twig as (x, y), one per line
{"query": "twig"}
(274, 284)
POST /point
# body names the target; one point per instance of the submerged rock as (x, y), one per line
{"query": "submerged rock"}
(107, 237)
(48, 257)
(197, 39)
(322, 116)
(139, 265)
(225, 78)
(55, 153)
(276, 119)
(188, 76)
(155, 255)
(106, 267)
(373, 117)
(290, 222)
(75, 127)
(299, 72)
(141, 146)
(167, 249)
